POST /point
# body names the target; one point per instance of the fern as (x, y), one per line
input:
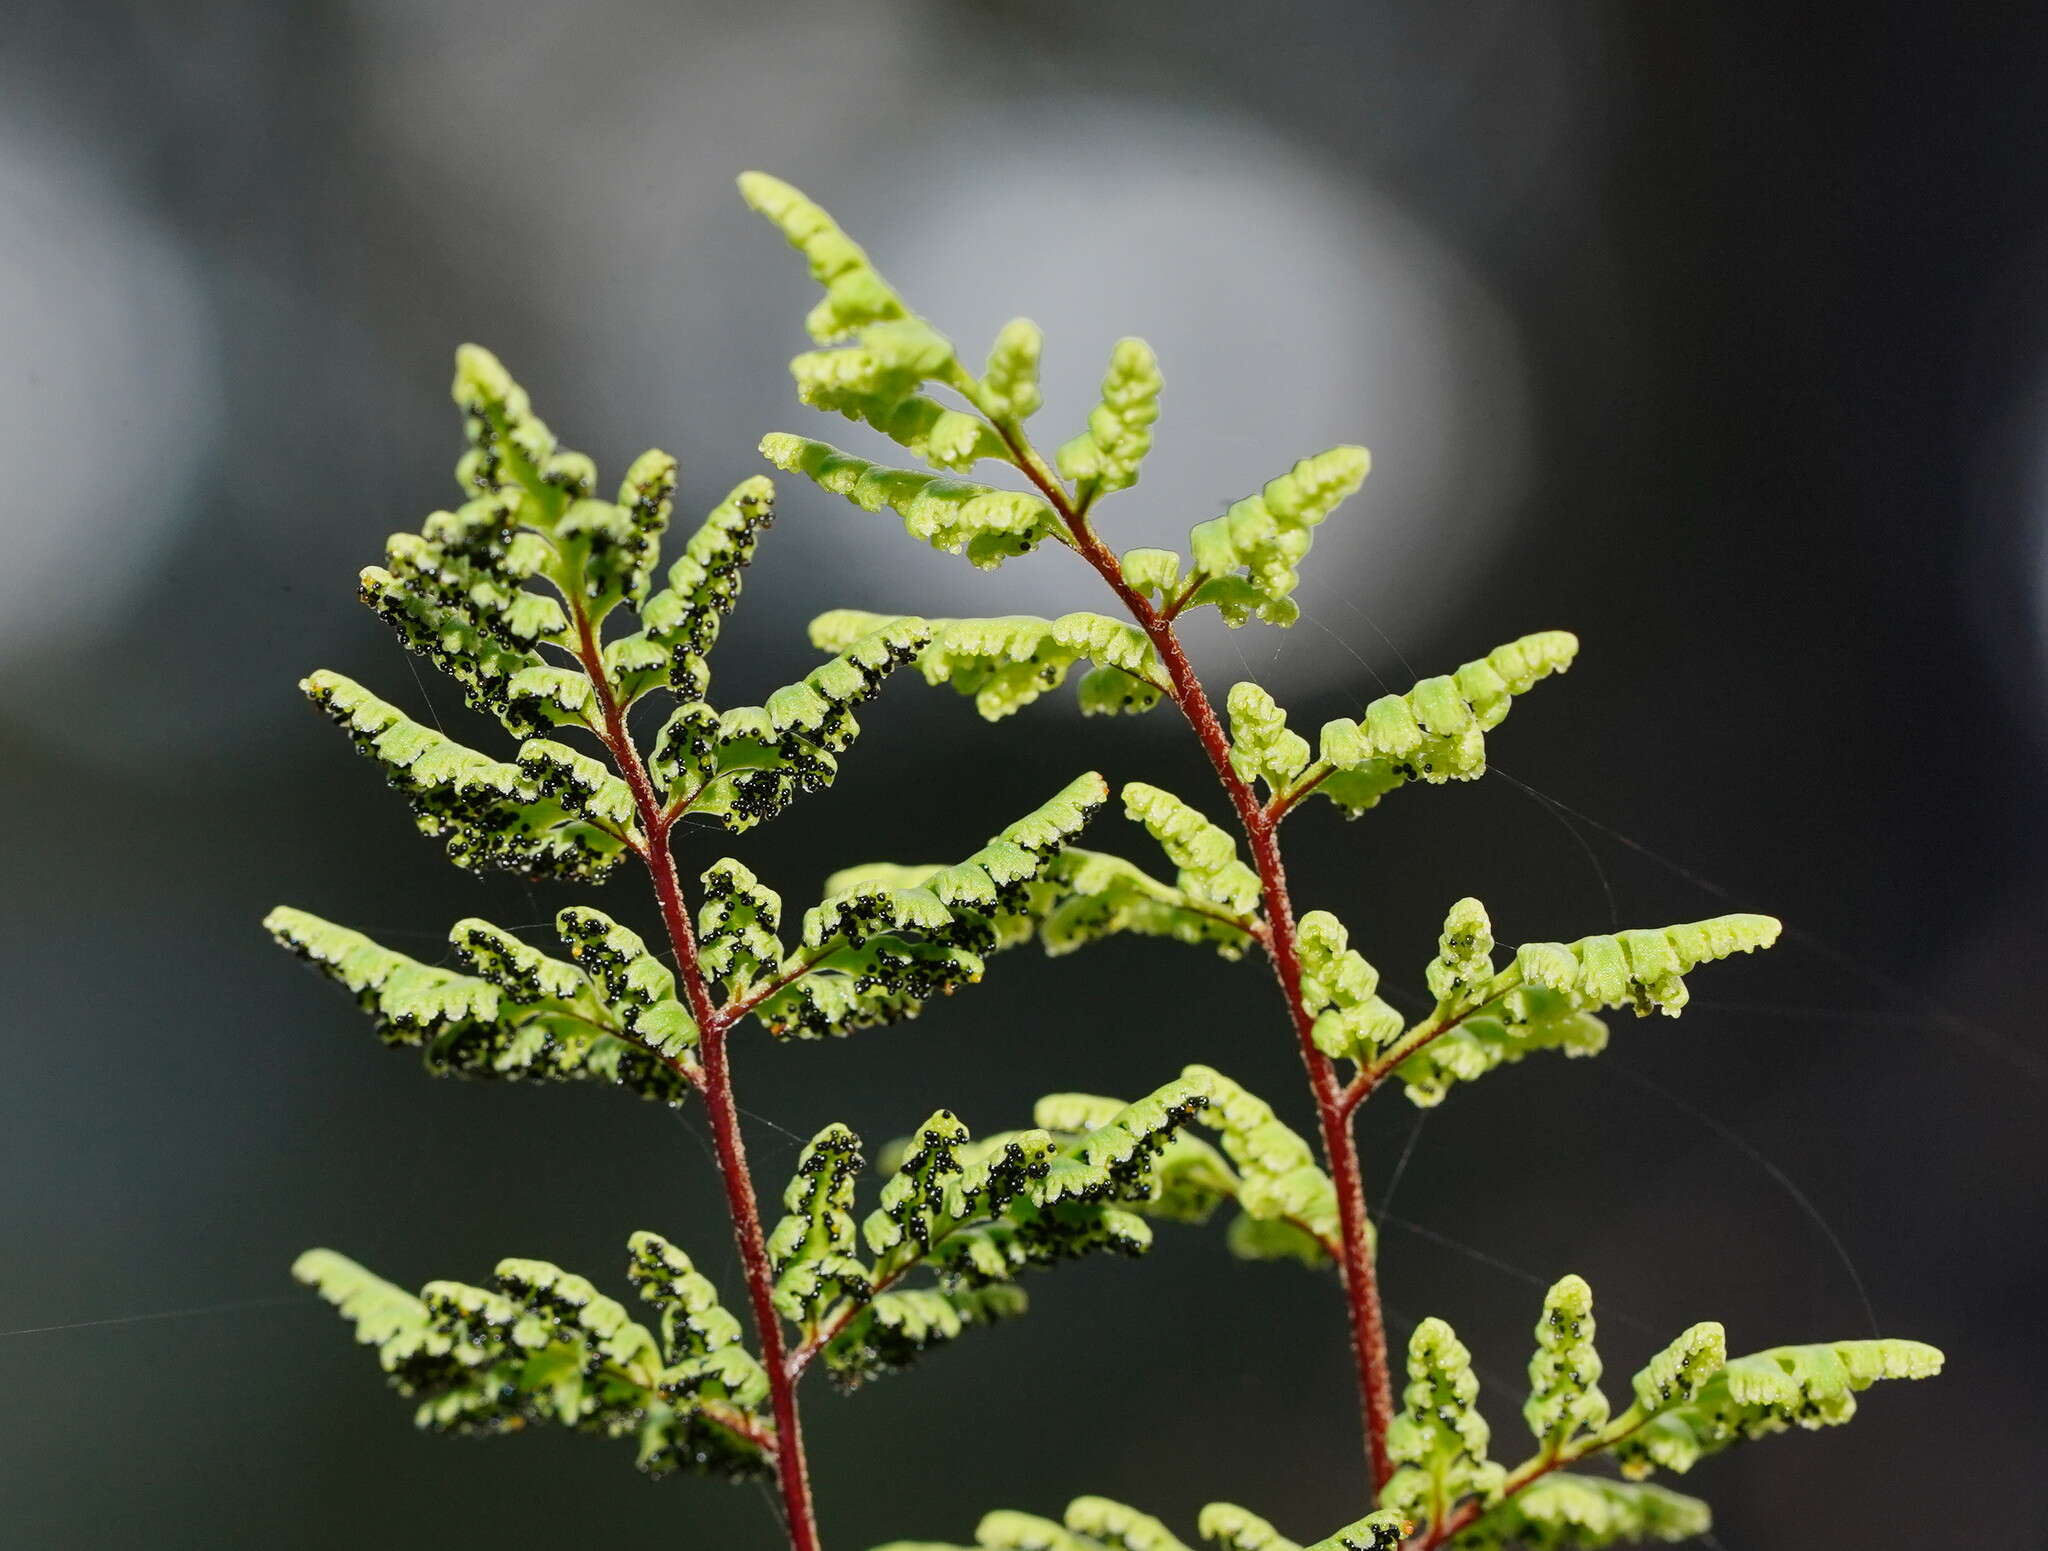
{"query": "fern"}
(549, 606)
(1427, 1459)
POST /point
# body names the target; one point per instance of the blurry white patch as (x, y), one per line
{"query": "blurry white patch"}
(1291, 307)
(109, 395)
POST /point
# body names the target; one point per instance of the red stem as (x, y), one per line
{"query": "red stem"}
(1333, 1113)
(792, 1472)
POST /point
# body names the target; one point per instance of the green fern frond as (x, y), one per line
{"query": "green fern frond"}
(694, 1323)
(811, 1247)
(951, 515)
(682, 621)
(1548, 997)
(1210, 867)
(1436, 732)
(520, 1017)
(1564, 1374)
(1244, 561)
(1006, 663)
(1759, 1395)
(1641, 969)
(1102, 1524)
(543, 1345)
(488, 814)
(1105, 458)
(1438, 1438)
(1261, 747)
(1340, 991)
(1008, 390)
(856, 967)
(855, 293)
(1585, 1512)
(1084, 896)
(737, 924)
(1239, 1529)
(1279, 1185)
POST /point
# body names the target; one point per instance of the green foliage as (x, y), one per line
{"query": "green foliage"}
(522, 594)
(1210, 867)
(520, 1016)
(1564, 1375)
(1547, 998)
(886, 939)
(1101, 1524)
(1105, 457)
(1438, 1437)
(1588, 1511)
(952, 515)
(1007, 663)
(1436, 732)
(1244, 562)
(543, 1345)
(1762, 1394)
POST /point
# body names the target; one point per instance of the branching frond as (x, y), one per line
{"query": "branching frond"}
(1436, 732)
(1006, 663)
(542, 818)
(1547, 998)
(1584, 1512)
(880, 944)
(1244, 561)
(543, 1345)
(1758, 1395)
(990, 525)
(680, 624)
(1564, 1375)
(520, 1016)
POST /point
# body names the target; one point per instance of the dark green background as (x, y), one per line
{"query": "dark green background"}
(1775, 288)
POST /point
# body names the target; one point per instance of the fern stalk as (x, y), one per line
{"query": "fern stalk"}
(714, 1084)
(1260, 824)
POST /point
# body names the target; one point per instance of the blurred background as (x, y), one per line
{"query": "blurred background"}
(1715, 334)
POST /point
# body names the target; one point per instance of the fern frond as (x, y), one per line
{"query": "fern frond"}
(1084, 896)
(857, 968)
(682, 621)
(811, 1248)
(1244, 561)
(1586, 1512)
(1006, 663)
(520, 1017)
(693, 1321)
(1102, 1524)
(1105, 457)
(1547, 998)
(1210, 867)
(1280, 1185)
(855, 293)
(1152, 573)
(1340, 990)
(488, 814)
(1641, 969)
(990, 525)
(1436, 732)
(1008, 390)
(737, 924)
(1239, 1529)
(1564, 1374)
(1438, 1438)
(1756, 1396)
(1261, 746)
(544, 1345)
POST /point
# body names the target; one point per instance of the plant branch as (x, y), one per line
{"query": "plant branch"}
(715, 1083)
(1340, 1148)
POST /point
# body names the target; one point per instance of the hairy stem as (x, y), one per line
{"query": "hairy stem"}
(792, 1472)
(1333, 1113)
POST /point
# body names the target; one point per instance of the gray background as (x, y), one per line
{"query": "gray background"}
(1712, 333)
